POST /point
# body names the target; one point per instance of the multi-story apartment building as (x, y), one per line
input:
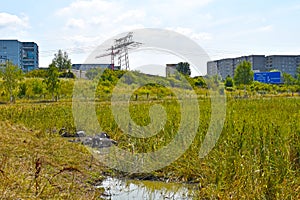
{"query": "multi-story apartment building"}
(258, 62)
(23, 54)
(212, 68)
(283, 63)
(226, 67)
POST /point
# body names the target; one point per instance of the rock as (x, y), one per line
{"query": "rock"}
(87, 141)
(80, 134)
(103, 135)
(66, 134)
(101, 140)
(98, 141)
(77, 140)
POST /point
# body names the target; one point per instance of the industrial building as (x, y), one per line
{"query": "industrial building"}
(171, 69)
(80, 69)
(86, 67)
(260, 63)
(23, 54)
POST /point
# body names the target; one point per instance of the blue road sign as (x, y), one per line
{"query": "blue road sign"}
(268, 77)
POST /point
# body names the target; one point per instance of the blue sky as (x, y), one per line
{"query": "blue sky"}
(223, 28)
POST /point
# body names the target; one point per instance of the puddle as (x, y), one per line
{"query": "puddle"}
(116, 189)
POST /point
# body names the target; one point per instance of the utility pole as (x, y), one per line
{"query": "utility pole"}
(120, 48)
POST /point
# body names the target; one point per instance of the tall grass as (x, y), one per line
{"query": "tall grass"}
(256, 157)
(35, 165)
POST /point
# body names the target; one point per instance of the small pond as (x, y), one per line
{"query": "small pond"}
(117, 189)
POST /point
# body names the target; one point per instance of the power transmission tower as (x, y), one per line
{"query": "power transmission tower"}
(120, 49)
(112, 55)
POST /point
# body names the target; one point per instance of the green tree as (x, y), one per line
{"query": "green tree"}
(37, 87)
(228, 81)
(213, 81)
(298, 75)
(199, 81)
(243, 74)
(61, 61)
(184, 68)
(37, 73)
(288, 79)
(33, 87)
(93, 73)
(66, 88)
(11, 75)
(52, 81)
(110, 76)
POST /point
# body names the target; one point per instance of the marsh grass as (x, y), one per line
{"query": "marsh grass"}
(34, 165)
(256, 157)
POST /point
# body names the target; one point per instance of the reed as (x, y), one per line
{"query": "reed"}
(256, 157)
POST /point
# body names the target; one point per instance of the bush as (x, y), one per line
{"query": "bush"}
(67, 75)
(230, 89)
(37, 73)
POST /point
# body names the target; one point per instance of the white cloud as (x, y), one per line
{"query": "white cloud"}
(91, 22)
(82, 39)
(202, 36)
(265, 28)
(108, 16)
(254, 30)
(89, 7)
(13, 21)
(131, 14)
(192, 3)
(76, 23)
(175, 5)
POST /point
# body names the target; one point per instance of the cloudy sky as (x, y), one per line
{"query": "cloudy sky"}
(222, 28)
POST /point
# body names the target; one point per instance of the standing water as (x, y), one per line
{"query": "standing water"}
(117, 189)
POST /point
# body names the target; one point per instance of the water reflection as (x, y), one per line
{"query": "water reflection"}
(116, 189)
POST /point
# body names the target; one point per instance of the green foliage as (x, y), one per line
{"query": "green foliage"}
(274, 70)
(34, 88)
(94, 73)
(260, 87)
(228, 82)
(288, 79)
(243, 74)
(11, 75)
(22, 90)
(258, 149)
(52, 81)
(37, 164)
(298, 75)
(230, 89)
(129, 78)
(66, 88)
(213, 82)
(184, 68)
(61, 61)
(37, 73)
(110, 76)
(37, 87)
(67, 74)
(197, 81)
(154, 87)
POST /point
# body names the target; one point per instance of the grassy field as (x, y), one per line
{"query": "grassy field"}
(35, 165)
(256, 157)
